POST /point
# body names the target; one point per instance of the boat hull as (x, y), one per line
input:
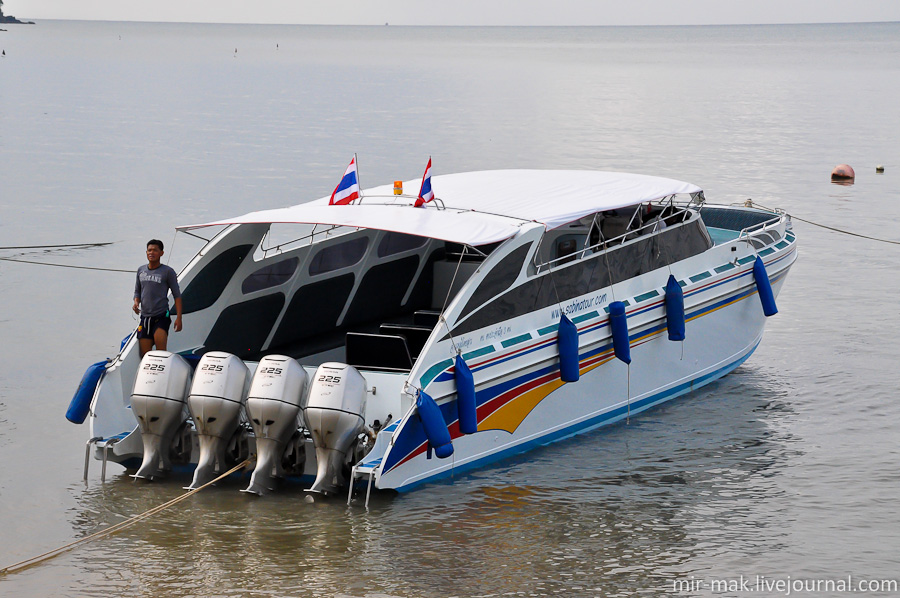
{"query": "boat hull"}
(531, 406)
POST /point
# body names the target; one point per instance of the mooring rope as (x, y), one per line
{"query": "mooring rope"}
(447, 298)
(62, 246)
(115, 528)
(846, 232)
(751, 203)
(59, 246)
(13, 259)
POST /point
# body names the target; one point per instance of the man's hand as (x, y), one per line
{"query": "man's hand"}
(178, 324)
(137, 306)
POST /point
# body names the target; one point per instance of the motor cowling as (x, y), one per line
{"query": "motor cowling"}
(216, 401)
(274, 403)
(158, 402)
(335, 415)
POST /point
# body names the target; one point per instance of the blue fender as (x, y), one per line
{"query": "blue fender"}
(618, 321)
(567, 339)
(674, 309)
(766, 297)
(434, 425)
(81, 402)
(465, 397)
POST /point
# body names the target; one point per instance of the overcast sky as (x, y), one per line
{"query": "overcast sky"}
(465, 12)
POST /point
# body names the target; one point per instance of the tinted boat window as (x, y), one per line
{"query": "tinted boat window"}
(381, 291)
(314, 309)
(649, 253)
(207, 286)
(242, 328)
(392, 243)
(270, 276)
(498, 279)
(338, 256)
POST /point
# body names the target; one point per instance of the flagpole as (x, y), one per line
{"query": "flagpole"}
(427, 172)
(355, 159)
(426, 176)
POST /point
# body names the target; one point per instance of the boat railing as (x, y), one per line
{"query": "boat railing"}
(391, 200)
(324, 231)
(318, 231)
(751, 234)
(679, 214)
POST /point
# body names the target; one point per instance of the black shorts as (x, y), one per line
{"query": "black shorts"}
(150, 324)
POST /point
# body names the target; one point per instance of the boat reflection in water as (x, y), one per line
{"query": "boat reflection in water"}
(633, 506)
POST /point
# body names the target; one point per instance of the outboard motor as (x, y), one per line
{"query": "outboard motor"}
(160, 389)
(274, 402)
(334, 413)
(217, 399)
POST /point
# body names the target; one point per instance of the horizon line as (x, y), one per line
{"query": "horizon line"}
(388, 24)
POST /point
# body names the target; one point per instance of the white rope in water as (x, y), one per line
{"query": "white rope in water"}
(115, 528)
(628, 417)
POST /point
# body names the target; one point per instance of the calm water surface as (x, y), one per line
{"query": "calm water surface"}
(787, 468)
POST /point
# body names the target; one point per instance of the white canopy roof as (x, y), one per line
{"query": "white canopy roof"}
(481, 207)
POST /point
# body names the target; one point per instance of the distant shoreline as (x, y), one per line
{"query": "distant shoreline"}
(9, 19)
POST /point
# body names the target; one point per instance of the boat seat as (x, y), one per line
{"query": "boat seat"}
(565, 250)
(615, 226)
(416, 336)
(654, 225)
(426, 317)
(378, 351)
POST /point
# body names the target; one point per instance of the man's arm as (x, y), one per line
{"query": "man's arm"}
(177, 314)
(176, 293)
(137, 294)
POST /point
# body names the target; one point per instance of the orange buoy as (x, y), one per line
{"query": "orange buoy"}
(842, 172)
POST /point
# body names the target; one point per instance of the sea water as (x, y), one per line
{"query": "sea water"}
(785, 470)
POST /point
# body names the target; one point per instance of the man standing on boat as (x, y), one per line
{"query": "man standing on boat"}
(151, 299)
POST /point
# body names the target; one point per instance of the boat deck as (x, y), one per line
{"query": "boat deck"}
(721, 236)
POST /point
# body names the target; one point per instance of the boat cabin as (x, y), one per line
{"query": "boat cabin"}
(372, 298)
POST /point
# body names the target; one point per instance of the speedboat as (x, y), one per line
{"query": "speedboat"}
(394, 342)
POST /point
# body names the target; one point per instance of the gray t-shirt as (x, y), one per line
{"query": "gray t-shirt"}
(152, 288)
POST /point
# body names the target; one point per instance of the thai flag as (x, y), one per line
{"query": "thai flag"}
(425, 193)
(348, 189)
